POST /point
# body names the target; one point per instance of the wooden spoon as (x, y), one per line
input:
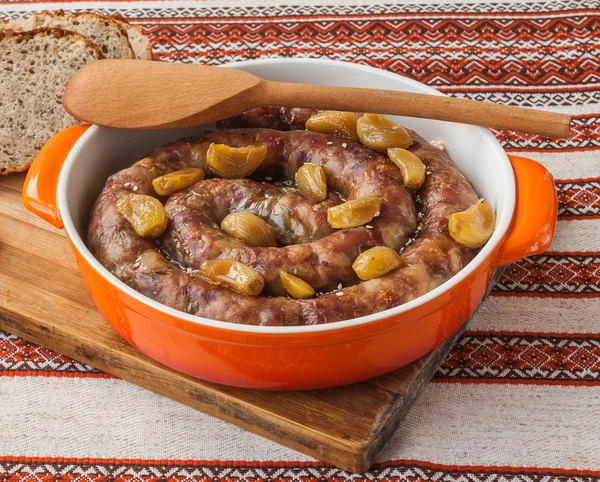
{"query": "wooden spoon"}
(138, 94)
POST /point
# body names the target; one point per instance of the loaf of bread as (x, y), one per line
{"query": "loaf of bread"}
(38, 56)
(107, 33)
(35, 67)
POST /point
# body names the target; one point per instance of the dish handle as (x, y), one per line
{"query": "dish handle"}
(536, 212)
(39, 189)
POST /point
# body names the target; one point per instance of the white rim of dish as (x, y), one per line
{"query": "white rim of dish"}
(503, 223)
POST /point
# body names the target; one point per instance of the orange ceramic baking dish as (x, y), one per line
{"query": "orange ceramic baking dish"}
(71, 169)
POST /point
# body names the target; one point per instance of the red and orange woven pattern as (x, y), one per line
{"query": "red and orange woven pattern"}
(518, 399)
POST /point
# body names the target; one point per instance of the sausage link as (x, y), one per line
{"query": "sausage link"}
(352, 170)
(322, 261)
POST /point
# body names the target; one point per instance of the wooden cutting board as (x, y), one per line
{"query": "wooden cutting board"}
(43, 299)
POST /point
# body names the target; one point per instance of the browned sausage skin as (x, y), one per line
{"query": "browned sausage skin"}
(324, 262)
(269, 117)
(323, 257)
(433, 258)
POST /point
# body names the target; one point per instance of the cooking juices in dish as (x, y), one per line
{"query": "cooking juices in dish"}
(351, 217)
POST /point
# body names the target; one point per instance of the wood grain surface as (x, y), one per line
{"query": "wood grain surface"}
(181, 95)
(43, 299)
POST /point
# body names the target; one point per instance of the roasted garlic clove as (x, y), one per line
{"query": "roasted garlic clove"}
(474, 226)
(312, 182)
(233, 274)
(296, 287)
(174, 181)
(145, 214)
(376, 262)
(249, 228)
(354, 213)
(232, 162)
(412, 168)
(342, 124)
(380, 133)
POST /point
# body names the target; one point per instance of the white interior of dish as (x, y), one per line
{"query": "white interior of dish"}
(102, 151)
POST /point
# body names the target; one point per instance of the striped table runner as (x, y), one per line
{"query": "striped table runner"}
(518, 399)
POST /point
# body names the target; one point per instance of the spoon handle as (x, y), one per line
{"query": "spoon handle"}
(410, 104)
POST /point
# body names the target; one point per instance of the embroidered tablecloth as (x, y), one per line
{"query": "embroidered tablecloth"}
(518, 399)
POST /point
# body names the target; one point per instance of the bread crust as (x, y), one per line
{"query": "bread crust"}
(60, 14)
(10, 170)
(120, 18)
(20, 37)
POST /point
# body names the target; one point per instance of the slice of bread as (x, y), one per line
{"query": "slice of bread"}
(138, 39)
(106, 33)
(35, 67)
